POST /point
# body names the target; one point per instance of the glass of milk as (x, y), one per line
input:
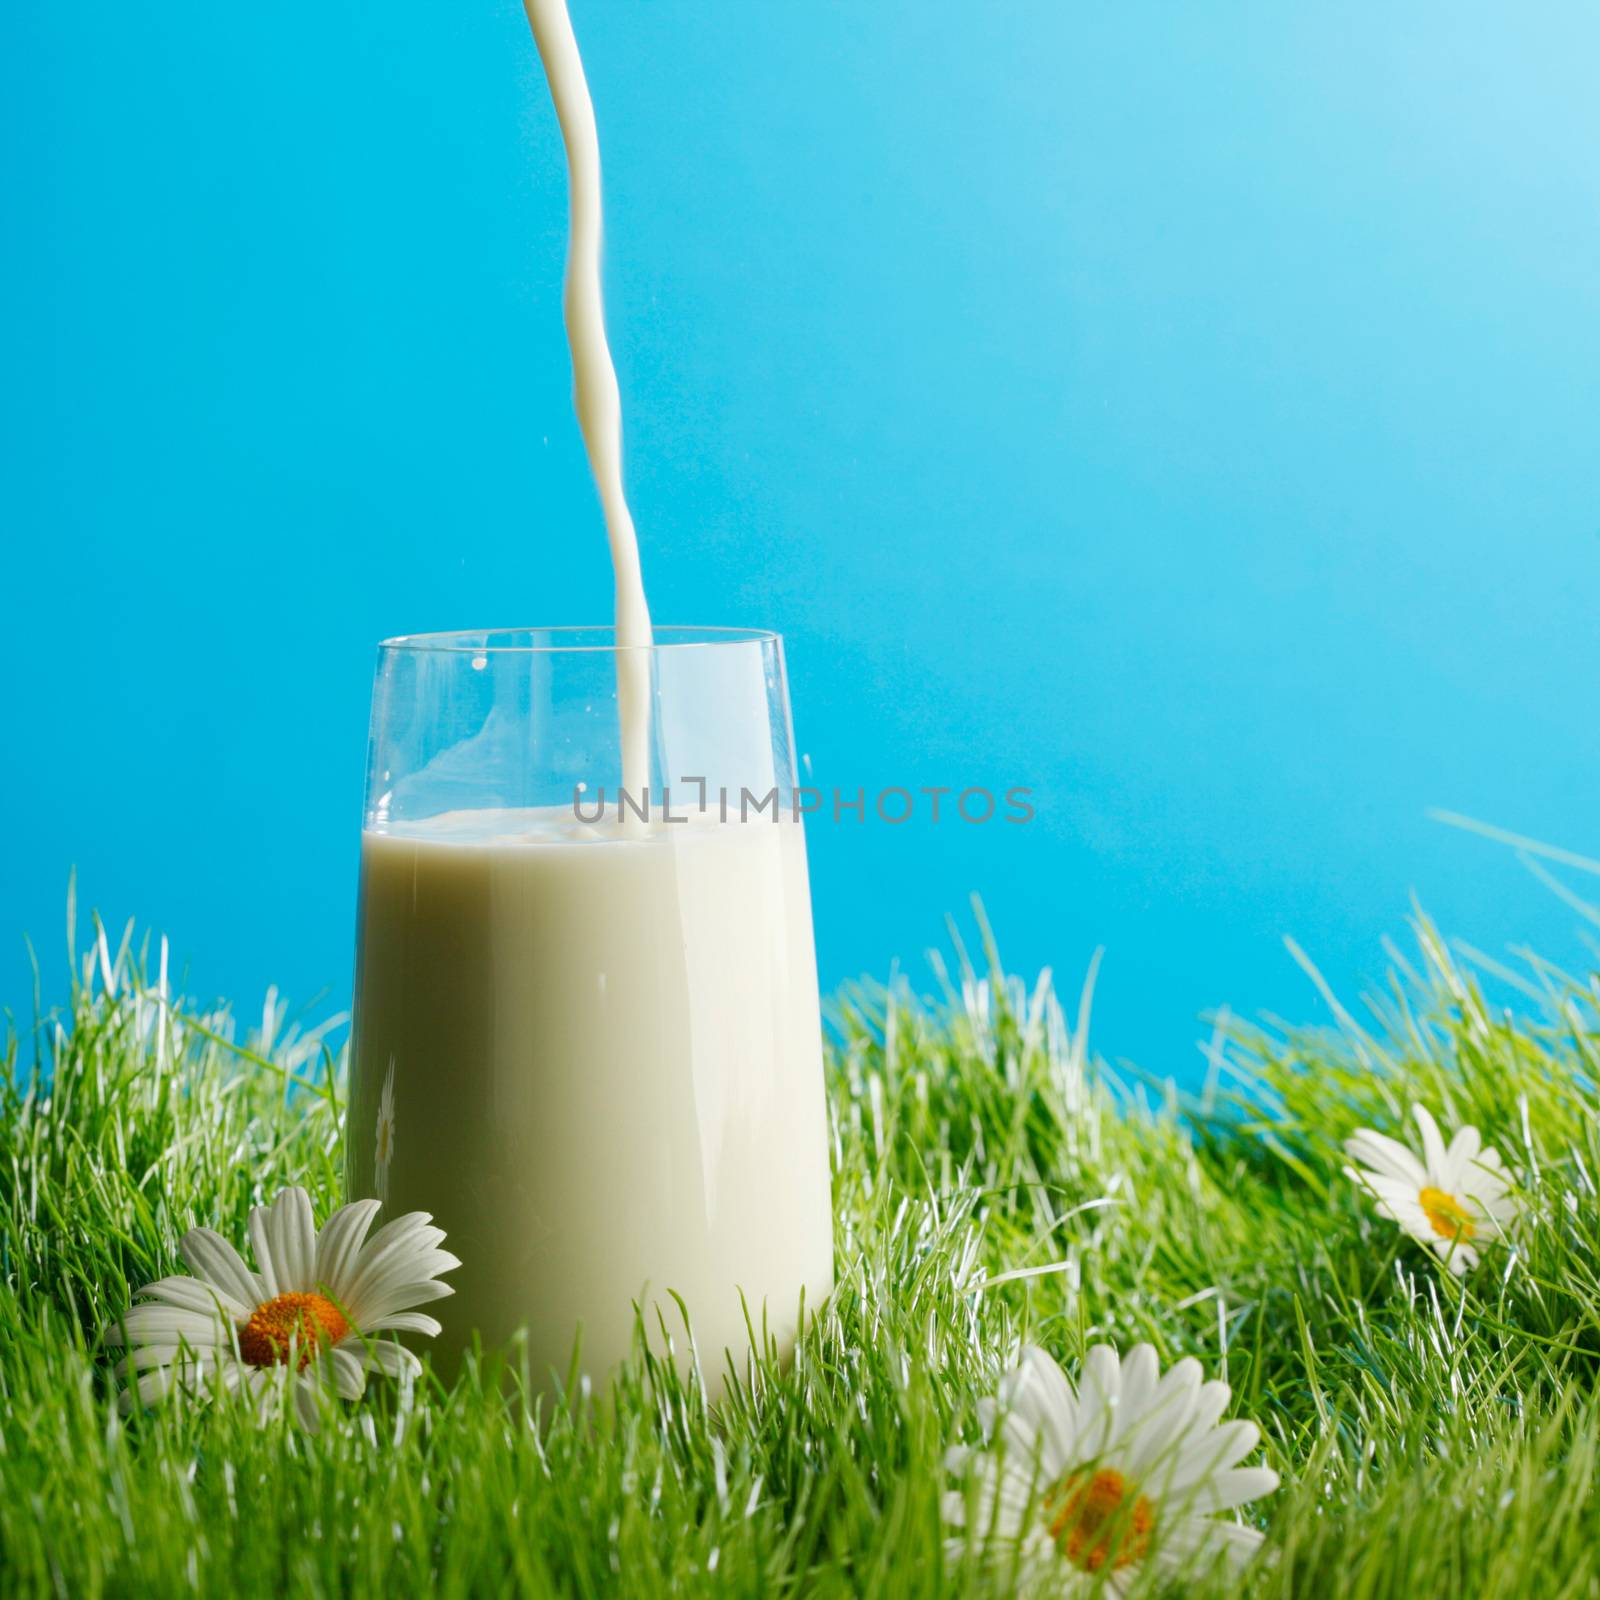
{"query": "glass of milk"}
(588, 1043)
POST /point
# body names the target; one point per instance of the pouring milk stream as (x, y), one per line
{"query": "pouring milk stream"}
(594, 379)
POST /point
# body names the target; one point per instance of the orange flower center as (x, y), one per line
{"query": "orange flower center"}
(1446, 1215)
(298, 1321)
(1099, 1520)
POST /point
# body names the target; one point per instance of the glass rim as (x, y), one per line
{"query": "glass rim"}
(522, 641)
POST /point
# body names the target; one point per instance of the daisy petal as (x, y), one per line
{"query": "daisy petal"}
(1226, 1490)
(1000, 1497)
(285, 1242)
(349, 1374)
(1388, 1189)
(339, 1245)
(307, 1405)
(1140, 1374)
(1191, 1546)
(1483, 1184)
(153, 1386)
(1488, 1160)
(1433, 1152)
(1168, 1415)
(193, 1294)
(165, 1353)
(1456, 1254)
(1015, 1432)
(1387, 1157)
(1462, 1154)
(1207, 1454)
(261, 1247)
(1097, 1399)
(209, 1256)
(391, 1359)
(152, 1323)
(1209, 1405)
(294, 1242)
(405, 1322)
(400, 1297)
(1038, 1390)
(406, 1237)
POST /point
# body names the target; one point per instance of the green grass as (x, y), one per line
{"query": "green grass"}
(1434, 1438)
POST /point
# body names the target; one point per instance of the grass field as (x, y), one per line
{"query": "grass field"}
(992, 1183)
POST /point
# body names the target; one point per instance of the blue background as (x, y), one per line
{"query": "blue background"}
(1189, 411)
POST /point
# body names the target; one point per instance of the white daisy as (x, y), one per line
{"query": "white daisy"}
(383, 1140)
(1131, 1468)
(307, 1318)
(1453, 1200)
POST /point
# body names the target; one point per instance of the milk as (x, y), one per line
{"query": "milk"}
(594, 379)
(600, 1054)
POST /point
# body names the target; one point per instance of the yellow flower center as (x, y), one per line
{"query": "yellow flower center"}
(1447, 1216)
(1099, 1519)
(301, 1321)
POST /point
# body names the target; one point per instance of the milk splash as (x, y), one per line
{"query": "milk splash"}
(594, 379)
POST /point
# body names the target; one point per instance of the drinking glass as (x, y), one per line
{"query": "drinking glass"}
(586, 1030)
